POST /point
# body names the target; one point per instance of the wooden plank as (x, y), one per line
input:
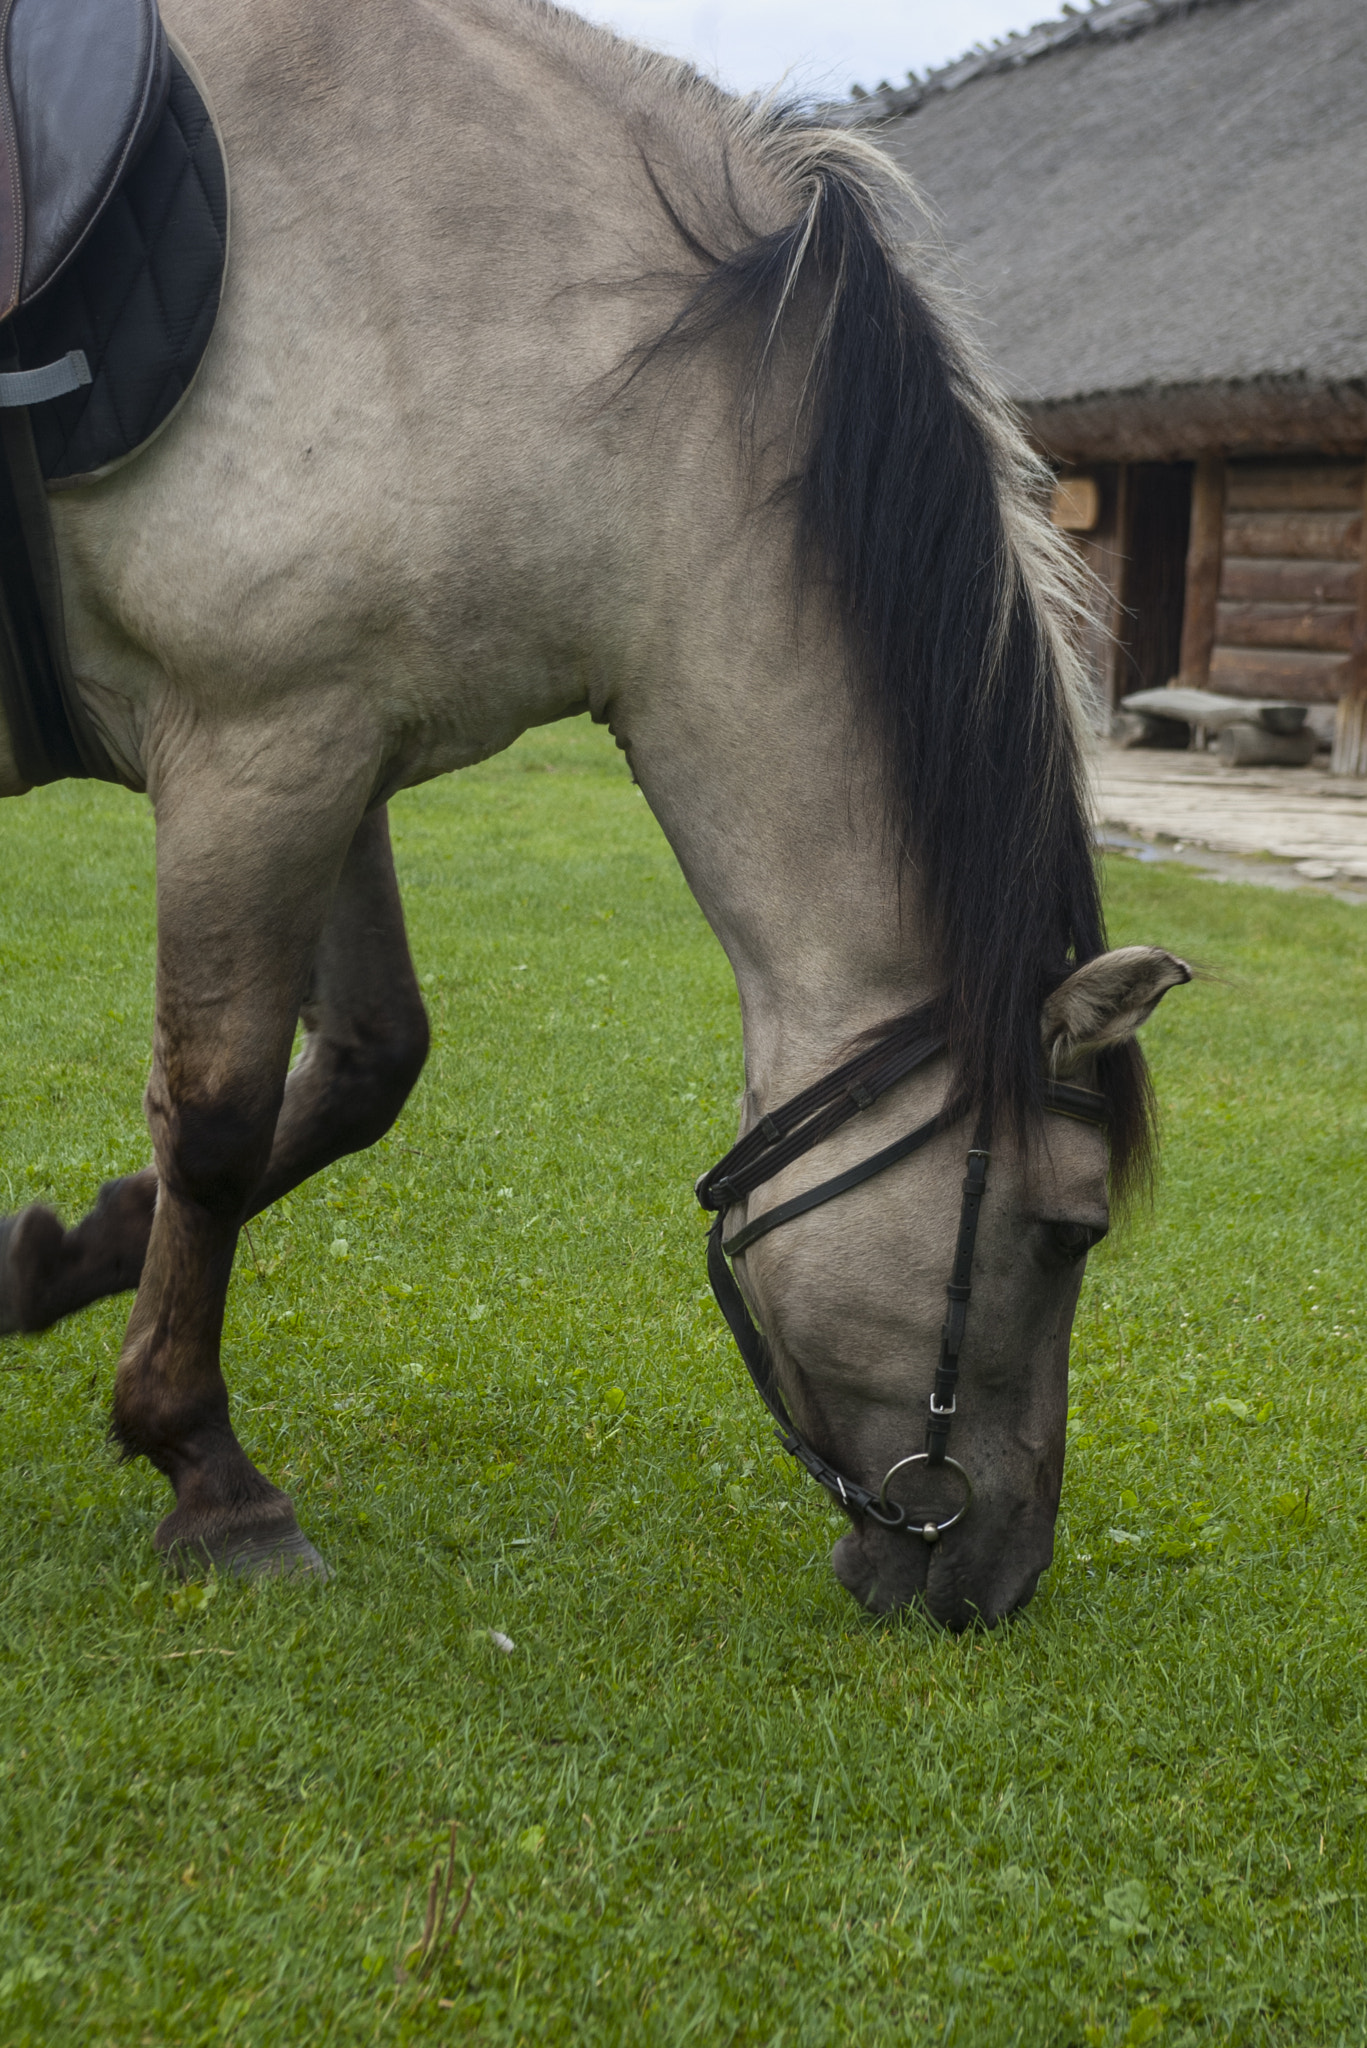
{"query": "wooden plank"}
(1298, 675)
(1205, 546)
(1323, 536)
(1327, 627)
(1204, 708)
(1350, 721)
(1349, 756)
(1306, 487)
(1274, 580)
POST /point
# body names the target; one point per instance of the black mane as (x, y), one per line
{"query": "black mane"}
(912, 506)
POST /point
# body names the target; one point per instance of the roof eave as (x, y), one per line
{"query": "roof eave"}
(1166, 423)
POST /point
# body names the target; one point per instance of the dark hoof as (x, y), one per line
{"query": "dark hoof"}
(279, 1558)
(267, 1543)
(30, 1248)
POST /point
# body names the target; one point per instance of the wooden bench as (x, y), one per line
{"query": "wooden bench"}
(1252, 732)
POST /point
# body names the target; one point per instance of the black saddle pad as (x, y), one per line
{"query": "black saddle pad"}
(140, 298)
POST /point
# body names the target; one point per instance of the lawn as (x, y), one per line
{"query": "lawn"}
(702, 1798)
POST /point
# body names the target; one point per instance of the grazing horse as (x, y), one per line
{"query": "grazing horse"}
(549, 378)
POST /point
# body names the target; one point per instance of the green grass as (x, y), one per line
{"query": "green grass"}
(704, 1799)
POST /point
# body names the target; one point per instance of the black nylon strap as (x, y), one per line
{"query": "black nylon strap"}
(717, 1189)
(50, 732)
(809, 1118)
(755, 1352)
(1085, 1105)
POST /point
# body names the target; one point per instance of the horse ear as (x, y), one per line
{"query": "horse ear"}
(1106, 1001)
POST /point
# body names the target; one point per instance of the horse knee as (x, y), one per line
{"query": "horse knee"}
(212, 1143)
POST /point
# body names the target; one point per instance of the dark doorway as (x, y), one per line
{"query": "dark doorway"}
(1157, 516)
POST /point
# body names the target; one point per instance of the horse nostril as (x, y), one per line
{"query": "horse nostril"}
(883, 1569)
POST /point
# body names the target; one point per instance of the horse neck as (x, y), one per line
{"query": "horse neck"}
(747, 752)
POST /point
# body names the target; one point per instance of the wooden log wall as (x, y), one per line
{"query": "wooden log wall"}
(1288, 588)
(1205, 551)
(1101, 545)
(1350, 720)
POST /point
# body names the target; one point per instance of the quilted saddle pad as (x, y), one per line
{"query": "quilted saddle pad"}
(140, 298)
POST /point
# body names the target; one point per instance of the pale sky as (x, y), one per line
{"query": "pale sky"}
(822, 45)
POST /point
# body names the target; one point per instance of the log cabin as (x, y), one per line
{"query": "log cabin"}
(1158, 211)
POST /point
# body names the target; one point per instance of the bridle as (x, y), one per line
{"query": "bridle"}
(785, 1134)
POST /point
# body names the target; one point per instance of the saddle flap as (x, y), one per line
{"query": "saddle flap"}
(87, 82)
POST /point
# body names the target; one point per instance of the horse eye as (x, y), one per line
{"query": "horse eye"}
(1074, 1240)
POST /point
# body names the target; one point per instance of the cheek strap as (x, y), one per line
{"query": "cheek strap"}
(944, 1393)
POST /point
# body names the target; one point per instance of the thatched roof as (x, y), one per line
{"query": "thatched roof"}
(1159, 210)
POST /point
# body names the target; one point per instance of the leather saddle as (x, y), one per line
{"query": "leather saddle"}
(82, 88)
(113, 240)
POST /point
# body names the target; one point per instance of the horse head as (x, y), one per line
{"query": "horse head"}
(917, 1317)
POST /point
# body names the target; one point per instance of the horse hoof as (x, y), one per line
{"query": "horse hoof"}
(30, 1248)
(281, 1558)
(276, 1548)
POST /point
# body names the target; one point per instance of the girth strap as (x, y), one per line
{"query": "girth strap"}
(52, 380)
(50, 732)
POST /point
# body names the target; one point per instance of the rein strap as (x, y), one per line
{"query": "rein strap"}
(758, 1363)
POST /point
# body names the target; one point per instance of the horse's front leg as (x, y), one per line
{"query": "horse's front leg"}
(246, 868)
(365, 1040)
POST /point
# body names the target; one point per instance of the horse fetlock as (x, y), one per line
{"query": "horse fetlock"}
(184, 1431)
(227, 1514)
(9, 1317)
(47, 1271)
(112, 1239)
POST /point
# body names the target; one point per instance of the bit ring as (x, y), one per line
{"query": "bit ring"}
(930, 1531)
